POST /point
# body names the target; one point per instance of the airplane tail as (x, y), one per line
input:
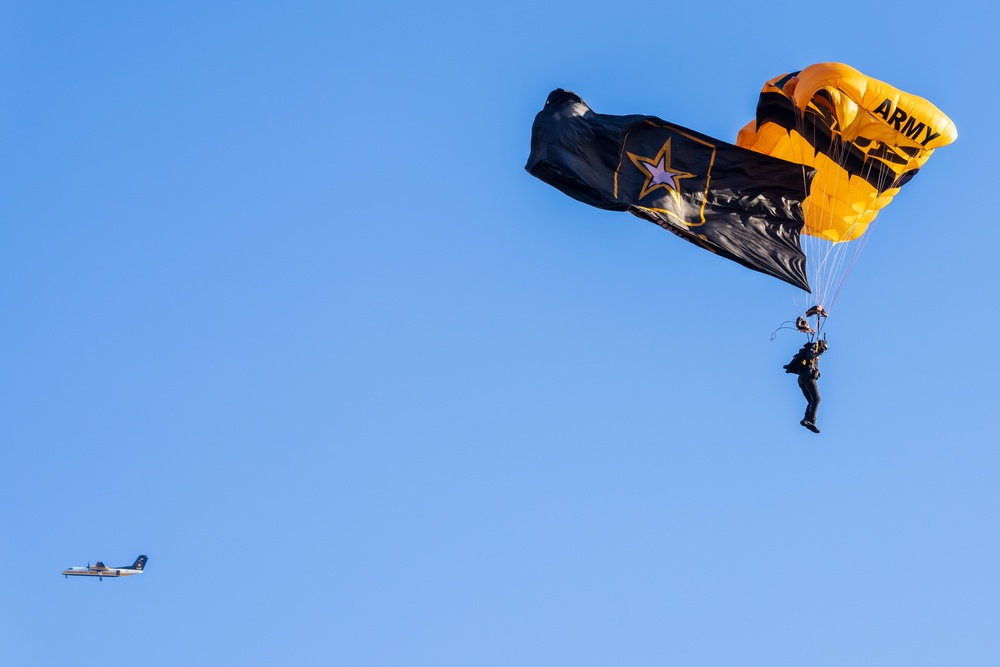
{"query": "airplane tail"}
(139, 563)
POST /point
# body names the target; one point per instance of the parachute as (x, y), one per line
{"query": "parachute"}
(865, 140)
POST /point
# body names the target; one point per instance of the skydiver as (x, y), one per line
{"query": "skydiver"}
(805, 364)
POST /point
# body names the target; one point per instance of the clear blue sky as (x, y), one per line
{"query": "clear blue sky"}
(282, 310)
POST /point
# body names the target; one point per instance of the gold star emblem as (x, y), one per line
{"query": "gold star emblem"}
(659, 173)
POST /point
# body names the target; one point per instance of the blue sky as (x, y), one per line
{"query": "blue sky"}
(283, 311)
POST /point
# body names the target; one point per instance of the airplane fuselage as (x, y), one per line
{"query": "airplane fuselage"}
(106, 572)
(100, 570)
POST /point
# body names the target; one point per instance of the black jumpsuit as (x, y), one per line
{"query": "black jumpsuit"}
(807, 381)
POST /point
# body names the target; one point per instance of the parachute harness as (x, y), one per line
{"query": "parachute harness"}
(801, 324)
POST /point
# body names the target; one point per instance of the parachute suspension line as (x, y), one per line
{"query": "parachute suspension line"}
(882, 184)
(850, 267)
(822, 253)
(831, 262)
(839, 252)
(845, 257)
(861, 243)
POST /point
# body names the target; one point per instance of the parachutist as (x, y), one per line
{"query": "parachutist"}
(805, 364)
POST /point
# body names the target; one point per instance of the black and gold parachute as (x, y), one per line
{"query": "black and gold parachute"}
(864, 138)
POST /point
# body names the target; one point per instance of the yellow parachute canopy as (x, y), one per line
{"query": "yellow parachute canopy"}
(864, 138)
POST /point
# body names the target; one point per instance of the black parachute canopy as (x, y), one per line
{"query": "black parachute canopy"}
(739, 204)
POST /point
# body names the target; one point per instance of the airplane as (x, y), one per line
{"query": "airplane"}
(101, 570)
